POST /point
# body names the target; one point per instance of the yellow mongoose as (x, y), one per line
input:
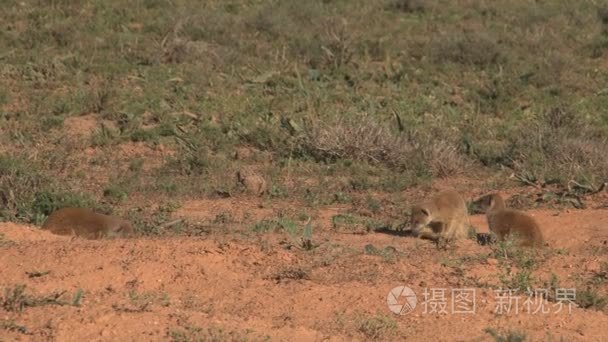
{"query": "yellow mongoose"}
(86, 223)
(445, 214)
(505, 222)
(253, 182)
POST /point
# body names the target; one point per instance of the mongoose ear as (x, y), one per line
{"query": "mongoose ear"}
(425, 212)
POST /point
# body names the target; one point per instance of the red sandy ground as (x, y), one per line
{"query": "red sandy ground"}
(234, 285)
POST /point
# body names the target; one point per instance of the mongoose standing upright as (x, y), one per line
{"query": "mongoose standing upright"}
(505, 222)
(86, 223)
(445, 214)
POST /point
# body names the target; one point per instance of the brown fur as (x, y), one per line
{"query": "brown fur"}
(505, 222)
(445, 214)
(253, 182)
(86, 223)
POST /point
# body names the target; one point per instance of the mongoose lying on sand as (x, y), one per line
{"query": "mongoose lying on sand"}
(86, 223)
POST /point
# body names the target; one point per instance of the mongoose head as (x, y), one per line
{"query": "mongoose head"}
(490, 202)
(125, 229)
(115, 228)
(421, 217)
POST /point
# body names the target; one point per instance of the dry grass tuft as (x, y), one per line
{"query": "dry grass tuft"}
(368, 139)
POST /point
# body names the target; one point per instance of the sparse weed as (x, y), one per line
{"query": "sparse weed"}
(4, 241)
(266, 226)
(512, 256)
(388, 253)
(508, 336)
(76, 301)
(521, 280)
(348, 223)
(591, 298)
(508, 250)
(15, 299)
(290, 273)
(37, 274)
(301, 236)
(551, 286)
(378, 327)
(223, 218)
(600, 276)
(142, 302)
(10, 325)
(373, 204)
(213, 333)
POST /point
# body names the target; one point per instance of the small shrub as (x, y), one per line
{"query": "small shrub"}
(366, 139)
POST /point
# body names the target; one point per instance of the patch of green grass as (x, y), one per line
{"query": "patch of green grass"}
(509, 251)
(267, 226)
(46, 202)
(31, 195)
(105, 136)
(301, 236)
(519, 280)
(373, 204)
(342, 198)
(51, 122)
(324, 88)
(136, 165)
(517, 264)
(119, 188)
